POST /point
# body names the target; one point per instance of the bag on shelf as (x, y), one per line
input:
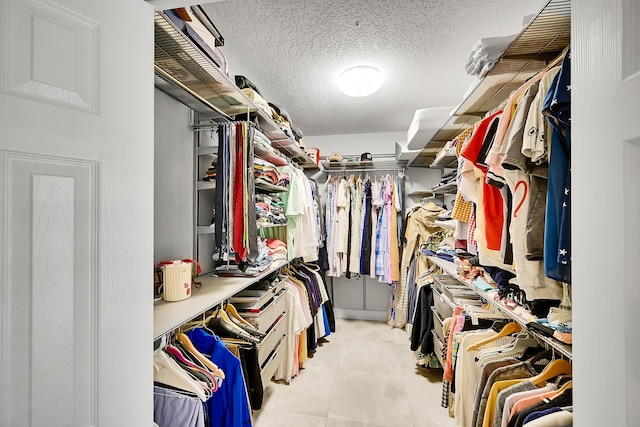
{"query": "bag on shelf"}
(174, 278)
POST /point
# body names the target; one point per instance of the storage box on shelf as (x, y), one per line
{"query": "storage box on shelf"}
(445, 303)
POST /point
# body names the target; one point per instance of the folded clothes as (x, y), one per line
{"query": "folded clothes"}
(485, 53)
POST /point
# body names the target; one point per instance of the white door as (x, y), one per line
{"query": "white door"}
(76, 212)
(630, 107)
(605, 211)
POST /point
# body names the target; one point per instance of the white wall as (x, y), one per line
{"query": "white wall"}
(173, 181)
(356, 144)
(375, 143)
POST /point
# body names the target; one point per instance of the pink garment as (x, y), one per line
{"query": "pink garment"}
(388, 200)
(530, 401)
(455, 327)
(295, 366)
(494, 158)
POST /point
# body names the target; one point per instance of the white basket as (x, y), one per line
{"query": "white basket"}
(176, 281)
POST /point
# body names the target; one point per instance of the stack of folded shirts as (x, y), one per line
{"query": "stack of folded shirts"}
(210, 174)
(266, 173)
(486, 53)
(258, 100)
(263, 149)
(277, 249)
(269, 210)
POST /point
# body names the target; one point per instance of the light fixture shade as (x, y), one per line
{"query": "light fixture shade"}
(362, 80)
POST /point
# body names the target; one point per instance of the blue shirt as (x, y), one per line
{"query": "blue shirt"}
(229, 405)
(557, 238)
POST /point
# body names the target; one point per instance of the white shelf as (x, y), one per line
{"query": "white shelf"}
(541, 42)
(271, 188)
(167, 316)
(204, 229)
(450, 188)
(445, 161)
(206, 185)
(186, 73)
(260, 226)
(208, 150)
(451, 269)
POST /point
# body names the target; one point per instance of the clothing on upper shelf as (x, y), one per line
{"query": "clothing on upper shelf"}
(266, 173)
(269, 210)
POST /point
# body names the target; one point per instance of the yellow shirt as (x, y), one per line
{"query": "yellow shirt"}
(496, 388)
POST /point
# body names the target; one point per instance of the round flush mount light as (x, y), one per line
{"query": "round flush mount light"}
(362, 80)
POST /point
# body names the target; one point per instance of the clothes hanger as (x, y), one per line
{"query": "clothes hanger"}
(565, 386)
(508, 329)
(545, 354)
(167, 371)
(552, 370)
(238, 320)
(193, 350)
(520, 343)
(191, 368)
(221, 320)
(562, 379)
(233, 313)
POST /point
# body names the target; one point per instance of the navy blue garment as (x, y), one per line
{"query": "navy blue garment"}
(229, 405)
(500, 276)
(557, 236)
(539, 414)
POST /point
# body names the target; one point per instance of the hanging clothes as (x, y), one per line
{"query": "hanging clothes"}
(420, 226)
(235, 221)
(229, 406)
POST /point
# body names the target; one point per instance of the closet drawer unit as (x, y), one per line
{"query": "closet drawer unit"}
(438, 346)
(274, 360)
(460, 294)
(442, 280)
(444, 306)
(437, 324)
(274, 334)
(250, 298)
(263, 317)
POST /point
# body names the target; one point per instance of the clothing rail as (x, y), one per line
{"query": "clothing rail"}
(549, 343)
(364, 169)
(214, 126)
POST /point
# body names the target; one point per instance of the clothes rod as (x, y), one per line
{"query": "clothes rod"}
(342, 170)
(214, 126)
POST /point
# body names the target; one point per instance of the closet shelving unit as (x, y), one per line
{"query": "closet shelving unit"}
(185, 73)
(445, 162)
(270, 188)
(167, 316)
(542, 41)
(380, 163)
(450, 268)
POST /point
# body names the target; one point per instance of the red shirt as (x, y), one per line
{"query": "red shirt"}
(492, 202)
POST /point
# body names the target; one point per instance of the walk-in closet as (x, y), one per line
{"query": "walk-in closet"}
(319, 213)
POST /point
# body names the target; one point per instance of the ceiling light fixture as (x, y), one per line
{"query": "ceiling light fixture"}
(362, 80)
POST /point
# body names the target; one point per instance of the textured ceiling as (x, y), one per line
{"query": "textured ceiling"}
(293, 51)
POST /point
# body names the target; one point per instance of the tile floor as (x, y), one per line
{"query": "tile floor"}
(364, 375)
